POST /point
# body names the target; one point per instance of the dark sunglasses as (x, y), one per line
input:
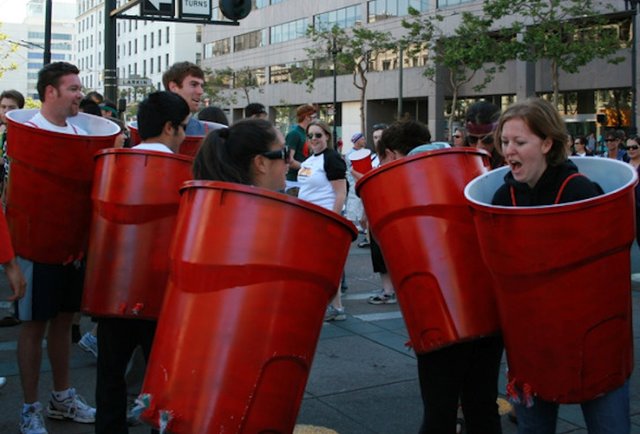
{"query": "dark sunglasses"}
(457, 136)
(610, 140)
(633, 147)
(316, 135)
(280, 154)
(488, 139)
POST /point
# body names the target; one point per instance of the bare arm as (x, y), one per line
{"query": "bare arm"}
(16, 279)
(340, 187)
(293, 164)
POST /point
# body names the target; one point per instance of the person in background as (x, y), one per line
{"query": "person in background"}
(296, 139)
(89, 106)
(323, 182)
(162, 120)
(614, 142)
(187, 80)
(213, 114)
(480, 122)
(354, 209)
(256, 110)
(580, 148)
(9, 100)
(387, 295)
(95, 97)
(532, 136)
(108, 109)
(54, 291)
(459, 138)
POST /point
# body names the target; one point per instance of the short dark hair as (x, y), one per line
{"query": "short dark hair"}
(402, 136)
(50, 75)
(14, 95)
(179, 71)
(88, 105)
(255, 108)
(213, 114)
(157, 109)
(482, 113)
(226, 154)
(95, 96)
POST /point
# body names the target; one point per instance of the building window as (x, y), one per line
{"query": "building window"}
(288, 31)
(151, 39)
(447, 3)
(250, 40)
(166, 60)
(144, 42)
(343, 18)
(159, 37)
(217, 48)
(382, 9)
(167, 33)
(151, 66)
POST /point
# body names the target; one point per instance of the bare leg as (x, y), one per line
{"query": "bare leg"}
(59, 349)
(30, 357)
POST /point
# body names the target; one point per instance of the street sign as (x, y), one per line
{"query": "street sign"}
(135, 82)
(159, 7)
(195, 9)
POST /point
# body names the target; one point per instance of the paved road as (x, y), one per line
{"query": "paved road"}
(363, 379)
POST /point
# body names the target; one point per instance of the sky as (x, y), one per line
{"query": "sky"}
(14, 11)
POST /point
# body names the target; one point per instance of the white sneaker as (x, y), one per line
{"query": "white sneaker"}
(74, 408)
(89, 343)
(31, 421)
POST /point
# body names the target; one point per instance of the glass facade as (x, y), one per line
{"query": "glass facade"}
(343, 18)
(250, 40)
(379, 10)
(288, 31)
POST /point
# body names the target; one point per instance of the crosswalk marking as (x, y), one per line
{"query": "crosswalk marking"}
(379, 316)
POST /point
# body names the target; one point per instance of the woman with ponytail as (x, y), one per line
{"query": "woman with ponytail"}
(250, 152)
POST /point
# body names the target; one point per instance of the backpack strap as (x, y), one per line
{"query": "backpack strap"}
(560, 190)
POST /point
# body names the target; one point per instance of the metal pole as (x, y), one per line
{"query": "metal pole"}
(634, 50)
(400, 78)
(47, 33)
(334, 53)
(110, 62)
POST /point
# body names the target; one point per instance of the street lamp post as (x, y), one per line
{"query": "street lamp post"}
(334, 55)
(633, 6)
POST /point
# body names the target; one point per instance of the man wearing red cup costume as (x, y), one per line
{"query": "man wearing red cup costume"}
(162, 121)
(54, 291)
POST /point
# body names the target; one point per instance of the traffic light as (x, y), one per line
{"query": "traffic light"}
(235, 9)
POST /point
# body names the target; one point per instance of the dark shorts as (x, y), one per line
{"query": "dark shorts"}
(50, 289)
(376, 258)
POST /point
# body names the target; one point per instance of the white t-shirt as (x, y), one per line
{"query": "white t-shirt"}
(39, 121)
(159, 147)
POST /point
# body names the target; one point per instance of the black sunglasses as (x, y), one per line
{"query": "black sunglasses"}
(488, 139)
(316, 135)
(280, 154)
(633, 147)
(457, 136)
(610, 140)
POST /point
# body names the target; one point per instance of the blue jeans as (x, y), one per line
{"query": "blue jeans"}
(607, 414)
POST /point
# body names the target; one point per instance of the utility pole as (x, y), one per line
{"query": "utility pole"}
(47, 33)
(110, 65)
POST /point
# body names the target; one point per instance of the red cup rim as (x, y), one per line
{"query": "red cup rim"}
(128, 151)
(281, 197)
(406, 160)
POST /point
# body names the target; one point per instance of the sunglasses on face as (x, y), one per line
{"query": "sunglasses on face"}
(457, 136)
(610, 140)
(488, 139)
(280, 154)
(316, 135)
(633, 147)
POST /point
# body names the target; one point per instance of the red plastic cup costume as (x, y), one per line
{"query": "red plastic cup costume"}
(243, 310)
(418, 215)
(562, 284)
(136, 194)
(48, 196)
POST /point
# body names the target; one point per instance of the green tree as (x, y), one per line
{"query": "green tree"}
(569, 33)
(355, 50)
(6, 50)
(224, 85)
(472, 47)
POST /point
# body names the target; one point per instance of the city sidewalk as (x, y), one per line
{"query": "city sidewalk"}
(363, 380)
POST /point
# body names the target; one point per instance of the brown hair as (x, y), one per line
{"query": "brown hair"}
(303, 111)
(179, 71)
(325, 128)
(543, 120)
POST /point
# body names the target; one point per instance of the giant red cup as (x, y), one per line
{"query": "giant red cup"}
(361, 160)
(563, 287)
(418, 215)
(48, 196)
(135, 196)
(243, 309)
